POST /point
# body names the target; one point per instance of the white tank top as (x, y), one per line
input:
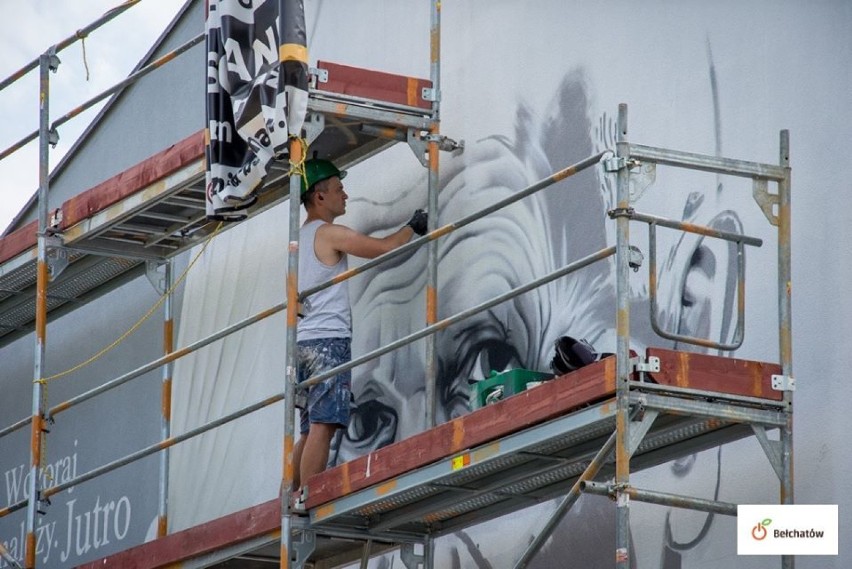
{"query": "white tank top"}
(327, 313)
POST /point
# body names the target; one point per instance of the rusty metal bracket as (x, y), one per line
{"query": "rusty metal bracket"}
(771, 448)
(638, 431)
(314, 125)
(57, 256)
(156, 273)
(303, 547)
(766, 201)
(409, 558)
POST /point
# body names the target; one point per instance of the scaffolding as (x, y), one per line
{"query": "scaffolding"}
(632, 411)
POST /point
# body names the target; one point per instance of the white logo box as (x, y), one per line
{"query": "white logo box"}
(799, 529)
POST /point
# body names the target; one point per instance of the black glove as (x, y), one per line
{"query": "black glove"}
(418, 222)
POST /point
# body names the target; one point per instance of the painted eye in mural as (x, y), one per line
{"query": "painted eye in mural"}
(492, 355)
(372, 425)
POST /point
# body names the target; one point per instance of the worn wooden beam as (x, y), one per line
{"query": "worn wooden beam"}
(538, 404)
(713, 373)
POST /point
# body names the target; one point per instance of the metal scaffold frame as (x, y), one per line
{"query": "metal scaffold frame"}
(627, 426)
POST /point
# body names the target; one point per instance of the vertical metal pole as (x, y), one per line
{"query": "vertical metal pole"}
(166, 403)
(37, 423)
(429, 553)
(432, 268)
(785, 321)
(622, 320)
(290, 387)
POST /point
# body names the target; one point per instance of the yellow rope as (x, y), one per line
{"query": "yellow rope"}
(82, 38)
(44, 381)
(297, 167)
(139, 322)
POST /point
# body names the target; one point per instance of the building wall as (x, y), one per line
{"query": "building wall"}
(532, 88)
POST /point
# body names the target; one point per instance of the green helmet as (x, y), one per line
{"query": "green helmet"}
(317, 170)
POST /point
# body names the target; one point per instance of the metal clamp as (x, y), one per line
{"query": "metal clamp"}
(635, 258)
(651, 366)
(783, 383)
(615, 163)
(320, 74)
(53, 60)
(53, 137)
(430, 94)
(621, 212)
(445, 143)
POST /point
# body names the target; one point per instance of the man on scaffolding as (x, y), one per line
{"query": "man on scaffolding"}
(325, 330)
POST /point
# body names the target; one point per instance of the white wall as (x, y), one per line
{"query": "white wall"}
(532, 87)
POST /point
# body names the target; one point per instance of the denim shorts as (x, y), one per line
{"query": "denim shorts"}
(328, 401)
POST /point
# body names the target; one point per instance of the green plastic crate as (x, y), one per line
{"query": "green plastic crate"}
(511, 382)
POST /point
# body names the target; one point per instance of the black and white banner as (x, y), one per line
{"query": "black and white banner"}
(257, 95)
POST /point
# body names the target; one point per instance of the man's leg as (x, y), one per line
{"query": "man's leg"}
(297, 462)
(314, 452)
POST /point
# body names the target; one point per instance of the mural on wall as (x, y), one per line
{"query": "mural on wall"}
(525, 241)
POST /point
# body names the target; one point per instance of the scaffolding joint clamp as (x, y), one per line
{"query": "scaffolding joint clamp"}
(445, 143)
(635, 258)
(45, 501)
(783, 383)
(53, 60)
(45, 421)
(621, 212)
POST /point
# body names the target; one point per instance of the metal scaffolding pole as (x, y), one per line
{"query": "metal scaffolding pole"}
(288, 476)
(47, 61)
(431, 377)
(166, 404)
(622, 319)
(785, 321)
(567, 502)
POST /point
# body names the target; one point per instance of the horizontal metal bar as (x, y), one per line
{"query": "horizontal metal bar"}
(450, 227)
(159, 62)
(162, 445)
(79, 35)
(707, 163)
(662, 498)
(714, 410)
(715, 395)
(697, 229)
(739, 331)
(103, 95)
(370, 103)
(352, 532)
(340, 108)
(177, 354)
(440, 325)
(163, 216)
(15, 426)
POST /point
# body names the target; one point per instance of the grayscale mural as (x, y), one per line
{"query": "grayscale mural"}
(518, 244)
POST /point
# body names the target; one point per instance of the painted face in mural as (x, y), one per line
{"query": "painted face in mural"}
(511, 247)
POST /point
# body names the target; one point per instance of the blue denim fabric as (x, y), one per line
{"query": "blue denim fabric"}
(329, 401)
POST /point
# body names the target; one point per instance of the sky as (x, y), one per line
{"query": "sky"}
(27, 29)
